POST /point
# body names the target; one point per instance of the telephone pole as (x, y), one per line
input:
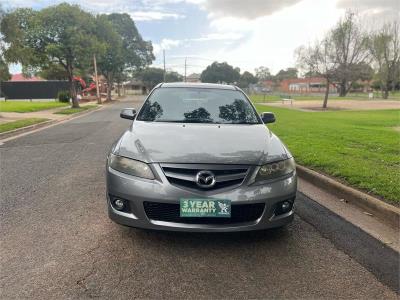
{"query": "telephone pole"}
(164, 63)
(185, 68)
(96, 79)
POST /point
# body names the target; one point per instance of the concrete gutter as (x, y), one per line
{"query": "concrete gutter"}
(45, 124)
(385, 212)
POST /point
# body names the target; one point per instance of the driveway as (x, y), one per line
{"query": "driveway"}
(57, 241)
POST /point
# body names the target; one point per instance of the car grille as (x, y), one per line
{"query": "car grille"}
(169, 212)
(184, 175)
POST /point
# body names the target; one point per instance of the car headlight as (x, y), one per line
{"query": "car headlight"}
(276, 169)
(130, 166)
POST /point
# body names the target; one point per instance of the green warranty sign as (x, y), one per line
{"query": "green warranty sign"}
(219, 208)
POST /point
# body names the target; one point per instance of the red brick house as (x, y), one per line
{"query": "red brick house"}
(305, 85)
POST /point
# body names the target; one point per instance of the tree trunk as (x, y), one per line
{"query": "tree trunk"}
(385, 93)
(108, 93)
(72, 88)
(343, 89)
(325, 104)
(109, 79)
(119, 89)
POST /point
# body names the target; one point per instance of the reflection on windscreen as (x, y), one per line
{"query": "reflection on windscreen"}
(196, 105)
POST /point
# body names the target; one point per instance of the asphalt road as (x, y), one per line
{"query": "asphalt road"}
(57, 241)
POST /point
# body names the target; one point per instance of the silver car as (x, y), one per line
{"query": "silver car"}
(198, 157)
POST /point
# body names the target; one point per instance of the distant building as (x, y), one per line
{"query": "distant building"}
(135, 87)
(262, 87)
(305, 85)
(194, 77)
(22, 77)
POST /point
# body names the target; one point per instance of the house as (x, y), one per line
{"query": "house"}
(135, 87)
(194, 77)
(262, 87)
(305, 85)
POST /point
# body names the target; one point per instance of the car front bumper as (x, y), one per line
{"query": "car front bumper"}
(136, 191)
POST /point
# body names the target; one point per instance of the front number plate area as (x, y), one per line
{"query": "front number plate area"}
(218, 208)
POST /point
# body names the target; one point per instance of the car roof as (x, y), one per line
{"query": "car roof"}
(197, 85)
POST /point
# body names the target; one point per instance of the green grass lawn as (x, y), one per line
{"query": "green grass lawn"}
(70, 111)
(20, 123)
(257, 98)
(360, 147)
(27, 106)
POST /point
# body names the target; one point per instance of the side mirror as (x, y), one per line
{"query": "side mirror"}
(128, 113)
(267, 117)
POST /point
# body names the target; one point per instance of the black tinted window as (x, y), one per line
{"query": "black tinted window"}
(197, 105)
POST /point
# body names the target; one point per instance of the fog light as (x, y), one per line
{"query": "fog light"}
(119, 204)
(286, 205)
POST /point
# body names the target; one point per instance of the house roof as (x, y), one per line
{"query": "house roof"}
(21, 77)
(133, 82)
(193, 76)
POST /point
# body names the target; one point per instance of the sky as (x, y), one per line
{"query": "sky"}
(245, 33)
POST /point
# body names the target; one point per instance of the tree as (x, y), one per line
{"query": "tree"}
(246, 79)
(319, 59)
(364, 71)
(151, 76)
(53, 72)
(137, 53)
(289, 73)
(173, 77)
(63, 34)
(384, 46)
(119, 79)
(125, 48)
(2, 12)
(349, 44)
(220, 72)
(263, 73)
(112, 61)
(4, 72)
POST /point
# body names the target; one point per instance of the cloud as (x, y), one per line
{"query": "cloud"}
(382, 9)
(249, 9)
(165, 44)
(228, 36)
(143, 10)
(168, 44)
(154, 15)
(370, 4)
(271, 40)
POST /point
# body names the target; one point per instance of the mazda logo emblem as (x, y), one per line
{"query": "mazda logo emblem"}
(205, 179)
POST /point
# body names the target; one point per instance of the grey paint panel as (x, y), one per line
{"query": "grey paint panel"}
(200, 143)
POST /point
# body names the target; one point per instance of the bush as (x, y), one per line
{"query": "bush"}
(63, 96)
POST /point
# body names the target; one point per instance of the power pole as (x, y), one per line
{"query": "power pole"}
(96, 79)
(164, 64)
(185, 68)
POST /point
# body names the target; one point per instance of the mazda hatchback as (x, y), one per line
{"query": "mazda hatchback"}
(198, 157)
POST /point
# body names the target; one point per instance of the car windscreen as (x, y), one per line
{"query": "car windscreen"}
(198, 105)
